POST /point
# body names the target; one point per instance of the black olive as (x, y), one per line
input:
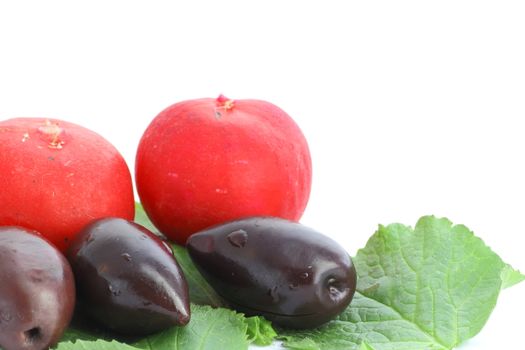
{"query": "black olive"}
(37, 291)
(127, 278)
(289, 273)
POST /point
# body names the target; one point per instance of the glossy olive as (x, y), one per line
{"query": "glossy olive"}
(289, 273)
(127, 278)
(37, 291)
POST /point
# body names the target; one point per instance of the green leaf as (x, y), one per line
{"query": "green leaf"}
(142, 219)
(365, 346)
(73, 334)
(428, 288)
(200, 291)
(510, 277)
(367, 320)
(209, 329)
(94, 345)
(299, 343)
(260, 331)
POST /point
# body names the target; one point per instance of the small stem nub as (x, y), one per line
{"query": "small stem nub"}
(224, 102)
(52, 132)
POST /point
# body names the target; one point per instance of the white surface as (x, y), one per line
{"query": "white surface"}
(409, 107)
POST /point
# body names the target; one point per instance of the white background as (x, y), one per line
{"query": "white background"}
(409, 107)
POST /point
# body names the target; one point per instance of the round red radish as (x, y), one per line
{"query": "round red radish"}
(202, 162)
(55, 177)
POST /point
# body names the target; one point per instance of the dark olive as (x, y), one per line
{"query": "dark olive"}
(289, 273)
(37, 291)
(127, 278)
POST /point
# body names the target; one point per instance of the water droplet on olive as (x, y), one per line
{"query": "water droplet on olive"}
(278, 252)
(5, 316)
(126, 256)
(115, 292)
(238, 238)
(37, 291)
(127, 279)
(273, 294)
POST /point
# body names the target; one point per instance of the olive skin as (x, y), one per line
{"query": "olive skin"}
(127, 278)
(292, 275)
(37, 291)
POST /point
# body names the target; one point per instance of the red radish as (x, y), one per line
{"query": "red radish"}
(202, 162)
(55, 177)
